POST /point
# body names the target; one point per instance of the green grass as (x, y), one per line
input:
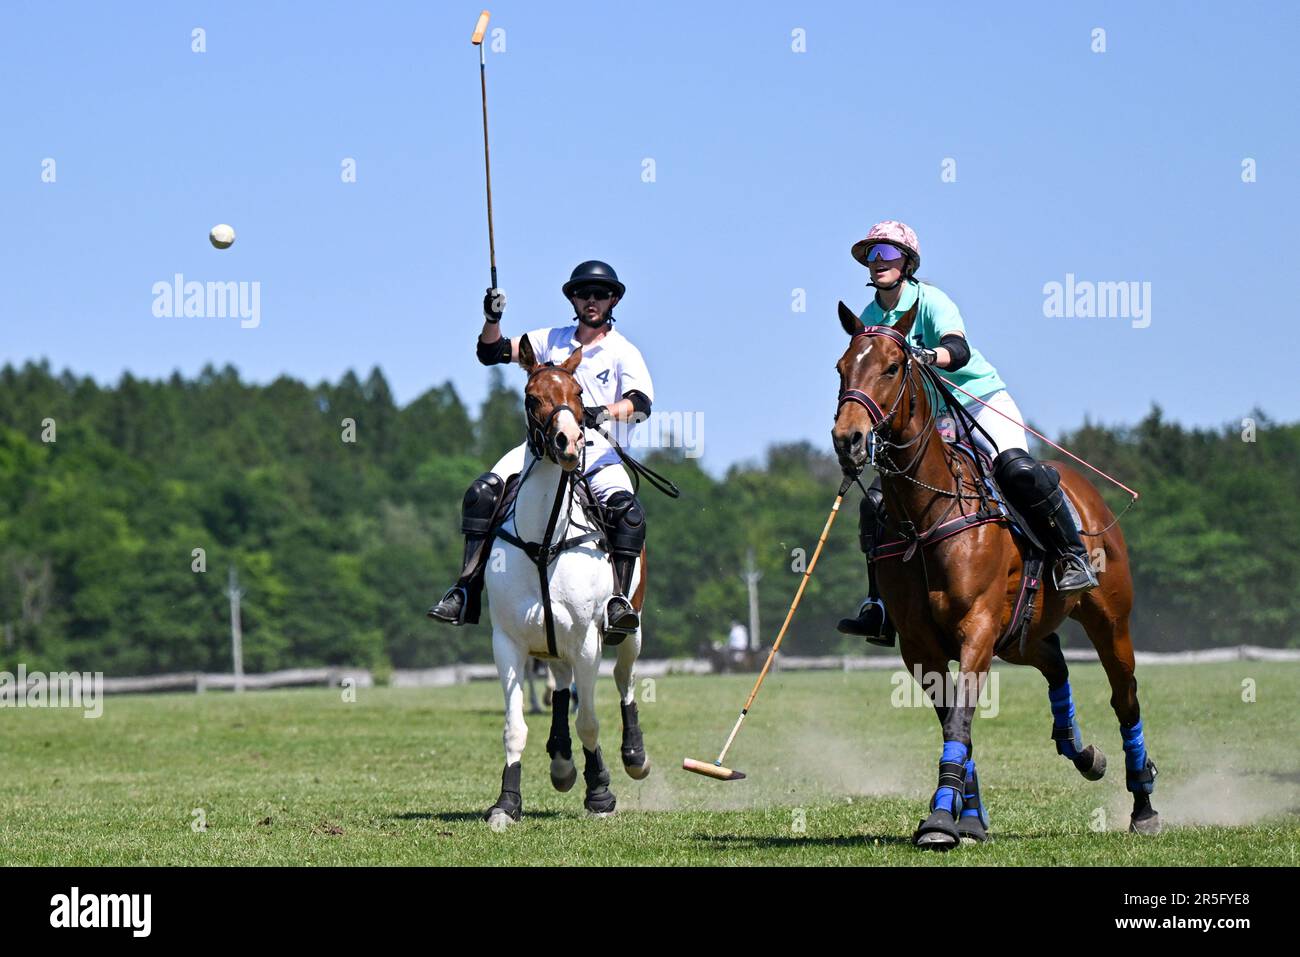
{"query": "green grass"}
(400, 777)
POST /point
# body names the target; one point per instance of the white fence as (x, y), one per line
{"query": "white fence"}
(462, 674)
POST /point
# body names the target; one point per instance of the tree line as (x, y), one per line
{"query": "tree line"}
(122, 508)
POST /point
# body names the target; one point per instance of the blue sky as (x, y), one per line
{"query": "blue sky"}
(1117, 166)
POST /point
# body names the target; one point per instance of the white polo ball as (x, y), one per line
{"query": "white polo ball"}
(222, 236)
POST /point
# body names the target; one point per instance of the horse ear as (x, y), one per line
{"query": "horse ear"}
(904, 325)
(571, 363)
(851, 323)
(527, 358)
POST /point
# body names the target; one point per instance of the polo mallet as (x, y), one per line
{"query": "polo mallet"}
(480, 29)
(716, 770)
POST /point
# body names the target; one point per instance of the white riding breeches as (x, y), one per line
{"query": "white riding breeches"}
(1006, 434)
(605, 478)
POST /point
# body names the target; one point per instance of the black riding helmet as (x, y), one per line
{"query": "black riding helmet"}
(594, 272)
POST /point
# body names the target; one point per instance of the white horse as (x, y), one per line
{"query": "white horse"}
(580, 580)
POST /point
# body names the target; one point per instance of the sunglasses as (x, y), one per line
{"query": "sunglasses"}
(599, 293)
(883, 251)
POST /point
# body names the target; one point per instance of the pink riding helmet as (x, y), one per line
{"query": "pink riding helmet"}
(893, 232)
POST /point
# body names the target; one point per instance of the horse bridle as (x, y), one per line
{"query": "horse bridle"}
(540, 441)
(880, 418)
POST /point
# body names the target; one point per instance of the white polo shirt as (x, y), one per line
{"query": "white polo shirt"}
(609, 370)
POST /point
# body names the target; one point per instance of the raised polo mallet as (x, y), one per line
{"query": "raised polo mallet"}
(716, 769)
(480, 29)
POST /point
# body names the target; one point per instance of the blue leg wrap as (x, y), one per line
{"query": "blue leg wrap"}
(1139, 769)
(949, 797)
(1135, 748)
(1065, 726)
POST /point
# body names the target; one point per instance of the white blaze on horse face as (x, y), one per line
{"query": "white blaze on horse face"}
(861, 357)
(567, 424)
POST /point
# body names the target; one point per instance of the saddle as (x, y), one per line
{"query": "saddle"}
(994, 508)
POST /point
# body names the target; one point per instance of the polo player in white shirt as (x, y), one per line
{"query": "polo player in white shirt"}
(616, 387)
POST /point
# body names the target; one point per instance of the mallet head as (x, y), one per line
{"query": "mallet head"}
(712, 770)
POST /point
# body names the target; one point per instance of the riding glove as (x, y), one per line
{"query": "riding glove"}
(494, 305)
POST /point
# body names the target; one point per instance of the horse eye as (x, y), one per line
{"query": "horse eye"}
(892, 369)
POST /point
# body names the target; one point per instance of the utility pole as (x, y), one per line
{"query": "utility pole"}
(751, 577)
(236, 631)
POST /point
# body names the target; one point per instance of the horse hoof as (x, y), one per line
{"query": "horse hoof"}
(1146, 822)
(564, 780)
(499, 819)
(935, 841)
(637, 772)
(938, 832)
(600, 803)
(1091, 762)
(972, 831)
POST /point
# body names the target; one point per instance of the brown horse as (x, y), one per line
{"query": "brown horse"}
(953, 597)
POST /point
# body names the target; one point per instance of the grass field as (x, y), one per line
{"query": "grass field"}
(837, 776)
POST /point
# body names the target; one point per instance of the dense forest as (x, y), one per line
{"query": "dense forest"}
(106, 493)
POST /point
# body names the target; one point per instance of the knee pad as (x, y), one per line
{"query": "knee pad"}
(626, 524)
(1018, 473)
(479, 506)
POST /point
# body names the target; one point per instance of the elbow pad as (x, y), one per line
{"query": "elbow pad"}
(640, 404)
(958, 351)
(492, 353)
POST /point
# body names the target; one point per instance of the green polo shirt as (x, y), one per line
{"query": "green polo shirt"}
(935, 318)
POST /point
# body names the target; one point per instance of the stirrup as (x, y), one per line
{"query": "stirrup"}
(439, 613)
(627, 622)
(1073, 573)
(872, 623)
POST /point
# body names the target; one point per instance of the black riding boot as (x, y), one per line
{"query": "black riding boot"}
(1035, 490)
(872, 622)
(463, 604)
(626, 538)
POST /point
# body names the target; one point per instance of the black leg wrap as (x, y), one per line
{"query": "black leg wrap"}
(510, 802)
(559, 743)
(633, 748)
(599, 799)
